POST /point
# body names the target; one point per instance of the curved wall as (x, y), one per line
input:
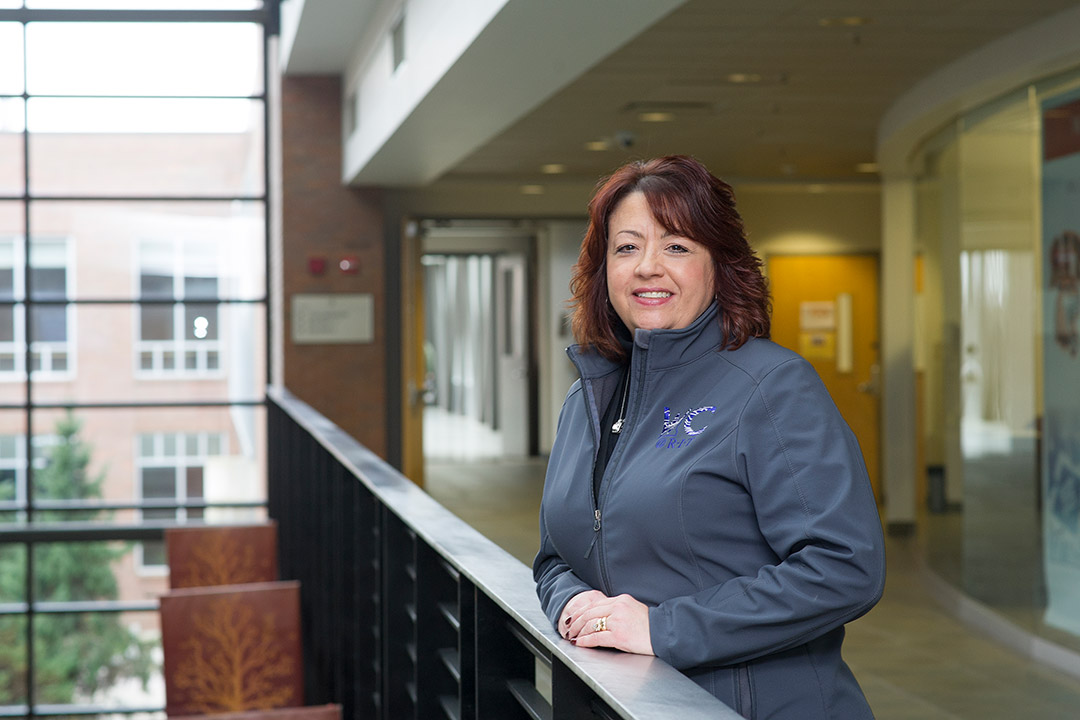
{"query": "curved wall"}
(962, 219)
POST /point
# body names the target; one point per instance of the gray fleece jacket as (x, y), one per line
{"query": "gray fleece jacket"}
(736, 505)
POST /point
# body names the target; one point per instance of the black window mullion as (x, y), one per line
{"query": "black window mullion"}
(270, 29)
(28, 588)
(267, 17)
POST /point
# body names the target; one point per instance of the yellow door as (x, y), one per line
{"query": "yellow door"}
(825, 307)
(413, 367)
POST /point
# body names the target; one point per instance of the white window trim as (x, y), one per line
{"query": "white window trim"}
(44, 349)
(179, 345)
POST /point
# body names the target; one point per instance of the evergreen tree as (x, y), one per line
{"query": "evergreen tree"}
(76, 654)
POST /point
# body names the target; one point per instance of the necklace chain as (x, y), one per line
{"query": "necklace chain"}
(617, 427)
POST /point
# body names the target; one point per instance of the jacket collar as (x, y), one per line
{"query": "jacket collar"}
(659, 349)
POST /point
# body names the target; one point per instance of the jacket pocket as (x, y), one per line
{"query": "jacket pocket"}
(744, 692)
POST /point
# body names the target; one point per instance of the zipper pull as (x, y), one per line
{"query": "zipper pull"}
(596, 522)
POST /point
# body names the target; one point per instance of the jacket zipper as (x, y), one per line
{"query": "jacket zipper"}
(597, 515)
(608, 473)
(600, 545)
(595, 427)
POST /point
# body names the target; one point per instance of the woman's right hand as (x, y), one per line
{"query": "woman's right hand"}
(577, 603)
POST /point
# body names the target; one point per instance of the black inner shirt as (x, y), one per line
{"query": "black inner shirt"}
(611, 412)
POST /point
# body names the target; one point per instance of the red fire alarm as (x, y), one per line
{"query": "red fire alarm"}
(349, 264)
(316, 264)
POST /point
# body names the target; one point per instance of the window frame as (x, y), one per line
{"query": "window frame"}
(180, 462)
(179, 345)
(42, 352)
(22, 413)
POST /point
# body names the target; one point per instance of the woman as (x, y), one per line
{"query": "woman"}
(704, 502)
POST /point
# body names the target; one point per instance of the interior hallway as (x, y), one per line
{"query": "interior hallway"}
(913, 659)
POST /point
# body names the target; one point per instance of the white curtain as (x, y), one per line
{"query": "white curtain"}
(997, 362)
(460, 333)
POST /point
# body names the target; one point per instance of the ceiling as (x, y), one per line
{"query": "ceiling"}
(818, 76)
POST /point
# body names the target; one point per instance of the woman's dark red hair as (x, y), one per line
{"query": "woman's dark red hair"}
(687, 200)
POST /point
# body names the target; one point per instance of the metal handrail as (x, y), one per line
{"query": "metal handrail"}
(632, 687)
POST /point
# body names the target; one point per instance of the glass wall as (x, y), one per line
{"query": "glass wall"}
(981, 334)
(133, 344)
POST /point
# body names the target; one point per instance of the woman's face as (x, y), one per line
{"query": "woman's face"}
(655, 280)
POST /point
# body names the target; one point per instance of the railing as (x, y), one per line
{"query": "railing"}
(410, 613)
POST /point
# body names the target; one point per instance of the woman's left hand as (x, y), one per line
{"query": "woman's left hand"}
(620, 622)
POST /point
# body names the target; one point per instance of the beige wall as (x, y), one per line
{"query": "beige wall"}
(843, 219)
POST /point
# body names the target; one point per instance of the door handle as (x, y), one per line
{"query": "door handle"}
(873, 385)
(415, 394)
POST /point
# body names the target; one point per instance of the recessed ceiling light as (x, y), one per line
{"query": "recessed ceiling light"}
(815, 188)
(867, 167)
(598, 145)
(532, 189)
(553, 168)
(656, 117)
(744, 78)
(848, 21)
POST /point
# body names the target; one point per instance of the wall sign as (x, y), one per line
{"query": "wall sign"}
(333, 319)
(817, 315)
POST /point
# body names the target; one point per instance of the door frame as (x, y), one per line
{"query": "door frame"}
(410, 322)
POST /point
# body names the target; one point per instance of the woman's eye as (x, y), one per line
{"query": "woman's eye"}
(622, 249)
(676, 248)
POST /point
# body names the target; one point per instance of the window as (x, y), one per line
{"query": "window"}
(352, 112)
(170, 468)
(178, 330)
(135, 203)
(49, 316)
(397, 42)
(12, 477)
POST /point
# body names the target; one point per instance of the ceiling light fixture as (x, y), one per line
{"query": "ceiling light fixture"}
(553, 168)
(598, 145)
(866, 167)
(532, 189)
(744, 78)
(656, 117)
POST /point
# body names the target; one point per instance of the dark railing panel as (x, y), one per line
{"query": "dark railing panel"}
(411, 613)
(506, 667)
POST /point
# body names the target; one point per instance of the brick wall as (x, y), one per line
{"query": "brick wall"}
(322, 217)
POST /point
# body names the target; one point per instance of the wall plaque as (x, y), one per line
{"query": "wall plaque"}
(333, 319)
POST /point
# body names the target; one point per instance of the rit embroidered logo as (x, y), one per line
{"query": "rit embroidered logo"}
(669, 438)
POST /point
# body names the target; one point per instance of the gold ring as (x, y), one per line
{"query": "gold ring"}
(601, 624)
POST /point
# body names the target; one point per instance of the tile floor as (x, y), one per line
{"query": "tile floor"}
(914, 660)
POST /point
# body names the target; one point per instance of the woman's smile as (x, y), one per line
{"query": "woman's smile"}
(653, 294)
